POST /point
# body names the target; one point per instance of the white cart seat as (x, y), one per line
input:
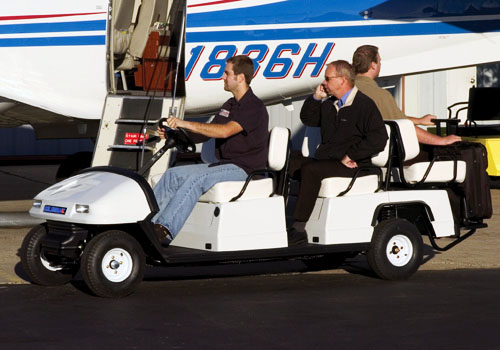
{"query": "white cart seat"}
(261, 188)
(441, 171)
(333, 186)
(225, 191)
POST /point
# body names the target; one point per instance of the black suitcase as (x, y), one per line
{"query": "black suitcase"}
(476, 187)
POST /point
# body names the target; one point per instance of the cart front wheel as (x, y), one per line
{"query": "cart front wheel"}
(40, 268)
(113, 264)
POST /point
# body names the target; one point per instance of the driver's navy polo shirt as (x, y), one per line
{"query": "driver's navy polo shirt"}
(249, 148)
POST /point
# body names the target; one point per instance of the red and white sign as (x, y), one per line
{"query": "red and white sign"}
(132, 138)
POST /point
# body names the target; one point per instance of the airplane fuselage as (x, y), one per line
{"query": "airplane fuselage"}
(55, 54)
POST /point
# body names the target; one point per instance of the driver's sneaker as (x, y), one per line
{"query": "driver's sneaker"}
(164, 236)
(296, 237)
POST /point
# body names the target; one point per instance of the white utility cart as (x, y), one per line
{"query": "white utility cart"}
(99, 221)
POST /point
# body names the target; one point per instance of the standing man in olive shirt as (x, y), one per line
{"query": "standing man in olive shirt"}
(367, 63)
(352, 130)
(241, 132)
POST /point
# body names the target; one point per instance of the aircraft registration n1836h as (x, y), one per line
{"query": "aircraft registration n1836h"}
(60, 59)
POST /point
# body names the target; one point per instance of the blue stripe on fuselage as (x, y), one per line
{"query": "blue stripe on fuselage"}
(53, 27)
(312, 11)
(54, 41)
(289, 11)
(405, 29)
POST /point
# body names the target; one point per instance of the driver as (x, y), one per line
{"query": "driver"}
(241, 132)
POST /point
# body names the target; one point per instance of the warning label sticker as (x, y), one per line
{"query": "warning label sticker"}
(132, 138)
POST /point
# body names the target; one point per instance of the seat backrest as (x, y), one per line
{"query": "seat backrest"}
(380, 159)
(278, 148)
(405, 132)
(124, 12)
(148, 14)
(312, 139)
(207, 153)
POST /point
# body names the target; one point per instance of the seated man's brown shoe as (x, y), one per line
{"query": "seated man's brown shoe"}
(162, 233)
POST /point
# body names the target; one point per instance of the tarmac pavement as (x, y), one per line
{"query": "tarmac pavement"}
(19, 184)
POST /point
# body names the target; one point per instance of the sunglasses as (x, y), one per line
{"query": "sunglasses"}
(327, 78)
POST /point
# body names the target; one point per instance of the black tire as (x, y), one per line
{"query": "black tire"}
(396, 249)
(36, 266)
(113, 264)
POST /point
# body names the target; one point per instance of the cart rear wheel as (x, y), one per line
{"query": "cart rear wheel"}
(396, 249)
(113, 264)
(37, 266)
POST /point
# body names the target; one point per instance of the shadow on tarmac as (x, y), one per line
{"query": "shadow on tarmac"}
(357, 265)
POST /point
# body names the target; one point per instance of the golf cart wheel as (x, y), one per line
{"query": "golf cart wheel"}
(38, 268)
(396, 250)
(113, 264)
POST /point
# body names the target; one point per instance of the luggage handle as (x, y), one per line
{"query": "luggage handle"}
(449, 123)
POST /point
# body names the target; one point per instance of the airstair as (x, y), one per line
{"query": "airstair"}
(146, 82)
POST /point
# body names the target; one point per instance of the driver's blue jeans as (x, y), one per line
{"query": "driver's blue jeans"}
(180, 188)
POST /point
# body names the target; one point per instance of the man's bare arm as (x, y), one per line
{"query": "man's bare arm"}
(210, 130)
(431, 139)
(425, 120)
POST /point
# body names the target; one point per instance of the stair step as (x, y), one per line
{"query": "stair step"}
(129, 147)
(136, 121)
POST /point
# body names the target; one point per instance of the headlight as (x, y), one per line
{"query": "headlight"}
(37, 204)
(82, 208)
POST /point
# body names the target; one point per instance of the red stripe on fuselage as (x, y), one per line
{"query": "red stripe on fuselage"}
(14, 18)
(214, 3)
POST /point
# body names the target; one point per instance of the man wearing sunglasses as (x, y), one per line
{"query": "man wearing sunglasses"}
(352, 130)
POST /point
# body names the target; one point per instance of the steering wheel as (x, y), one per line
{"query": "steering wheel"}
(181, 137)
(185, 140)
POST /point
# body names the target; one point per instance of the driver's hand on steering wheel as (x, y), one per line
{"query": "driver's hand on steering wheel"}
(172, 123)
(175, 123)
(161, 133)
